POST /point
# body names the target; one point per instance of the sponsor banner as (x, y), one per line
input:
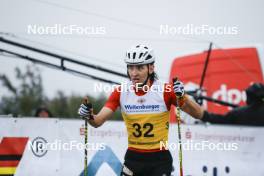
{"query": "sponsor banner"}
(35, 146)
(229, 72)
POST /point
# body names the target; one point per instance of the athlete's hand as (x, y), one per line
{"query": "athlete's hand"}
(86, 110)
(178, 88)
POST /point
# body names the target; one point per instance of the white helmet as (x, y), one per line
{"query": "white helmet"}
(139, 55)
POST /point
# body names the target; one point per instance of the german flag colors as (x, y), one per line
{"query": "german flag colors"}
(11, 152)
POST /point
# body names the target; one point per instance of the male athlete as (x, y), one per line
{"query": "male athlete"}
(145, 104)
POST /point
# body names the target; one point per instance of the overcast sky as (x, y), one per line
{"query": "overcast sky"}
(118, 24)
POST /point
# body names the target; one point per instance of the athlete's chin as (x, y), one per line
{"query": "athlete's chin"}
(135, 81)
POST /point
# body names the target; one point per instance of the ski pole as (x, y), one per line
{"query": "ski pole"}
(85, 101)
(179, 130)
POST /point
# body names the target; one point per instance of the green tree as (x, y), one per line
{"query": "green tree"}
(27, 96)
(67, 107)
(64, 106)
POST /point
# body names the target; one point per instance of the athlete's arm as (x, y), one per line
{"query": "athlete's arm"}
(191, 107)
(107, 111)
(101, 117)
(186, 103)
